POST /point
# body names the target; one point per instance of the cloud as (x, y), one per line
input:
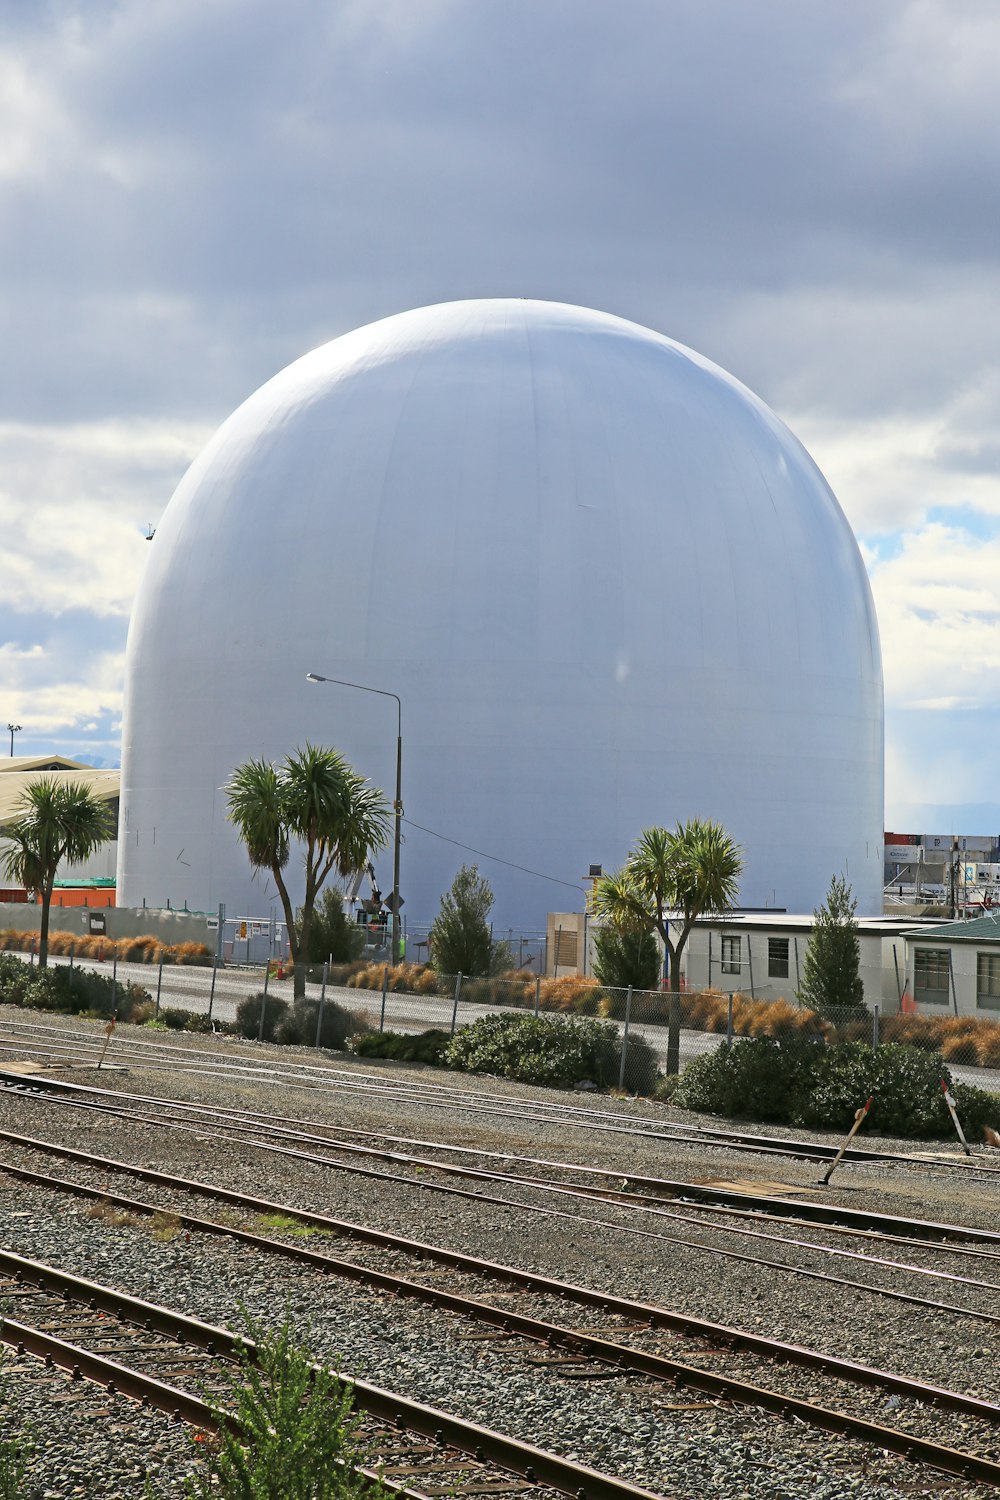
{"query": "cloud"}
(191, 196)
(73, 497)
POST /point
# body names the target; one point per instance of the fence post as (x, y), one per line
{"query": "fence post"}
(211, 993)
(798, 976)
(628, 1017)
(159, 986)
(555, 966)
(322, 1002)
(385, 986)
(750, 962)
(114, 986)
(538, 992)
(710, 958)
(454, 1009)
(729, 1022)
(263, 1001)
(875, 1027)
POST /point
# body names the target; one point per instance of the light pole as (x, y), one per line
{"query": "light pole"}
(397, 805)
(14, 729)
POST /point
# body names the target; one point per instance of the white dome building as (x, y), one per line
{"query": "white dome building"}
(609, 586)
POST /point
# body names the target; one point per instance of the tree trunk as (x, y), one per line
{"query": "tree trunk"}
(43, 933)
(302, 945)
(293, 946)
(674, 1025)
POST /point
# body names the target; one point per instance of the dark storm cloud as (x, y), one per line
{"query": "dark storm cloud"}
(227, 185)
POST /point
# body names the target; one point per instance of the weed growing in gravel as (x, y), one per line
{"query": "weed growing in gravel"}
(165, 1227)
(282, 1224)
(117, 1218)
(295, 1434)
(15, 1455)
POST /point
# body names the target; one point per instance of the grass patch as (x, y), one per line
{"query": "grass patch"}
(282, 1224)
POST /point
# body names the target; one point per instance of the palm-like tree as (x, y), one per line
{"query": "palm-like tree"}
(672, 875)
(55, 820)
(312, 797)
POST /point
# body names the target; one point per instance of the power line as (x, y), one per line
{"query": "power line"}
(494, 857)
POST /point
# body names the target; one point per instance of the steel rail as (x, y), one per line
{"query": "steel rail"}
(661, 1189)
(342, 1228)
(571, 1114)
(931, 1235)
(542, 1331)
(523, 1459)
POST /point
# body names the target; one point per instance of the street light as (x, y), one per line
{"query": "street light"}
(397, 805)
(14, 729)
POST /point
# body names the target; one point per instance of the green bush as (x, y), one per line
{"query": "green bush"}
(976, 1108)
(426, 1047)
(331, 935)
(82, 992)
(295, 1436)
(15, 977)
(248, 1015)
(755, 1077)
(822, 1087)
(173, 1017)
(461, 940)
(298, 1027)
(626, 958)
(905, 1083)
(553, 1051)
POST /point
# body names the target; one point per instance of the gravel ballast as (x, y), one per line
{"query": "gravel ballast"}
(639, 1432)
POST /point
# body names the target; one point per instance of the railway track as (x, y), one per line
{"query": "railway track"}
(155, 1355)
(63, 1045)
(650, 1195)
(635, 1340)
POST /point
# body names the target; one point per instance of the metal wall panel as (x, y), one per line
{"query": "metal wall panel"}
(609, 585)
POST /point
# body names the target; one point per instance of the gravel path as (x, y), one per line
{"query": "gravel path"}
(672, 1442)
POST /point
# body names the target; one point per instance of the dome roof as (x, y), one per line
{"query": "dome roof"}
(608, 584)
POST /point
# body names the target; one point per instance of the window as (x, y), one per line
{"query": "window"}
(930, 975)
(988, 980)
(731, 955)
(777, 958)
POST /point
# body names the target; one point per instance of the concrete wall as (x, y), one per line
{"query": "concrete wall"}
(168, 926)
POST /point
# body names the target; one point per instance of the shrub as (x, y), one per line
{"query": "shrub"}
(426, 1047)
(831, 973)
(15, 977)
(806, 1083)
(295, 1433)
(298, 1027)
(331, 935)
(904, 1081)
(548, 1050)
(248, 1015)
(173, 1017)
(189, 953)
(755, 1077)
(626, 958)
(571, 993)
(642, 1066)
(460, 936)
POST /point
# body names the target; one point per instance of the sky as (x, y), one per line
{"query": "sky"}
(193, 194)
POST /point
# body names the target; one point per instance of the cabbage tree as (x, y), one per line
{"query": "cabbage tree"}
(314, 799)
(670, 879)
(55, 820)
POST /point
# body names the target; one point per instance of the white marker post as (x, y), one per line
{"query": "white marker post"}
(954, 1117)
(109, 1032)
(859, 1119)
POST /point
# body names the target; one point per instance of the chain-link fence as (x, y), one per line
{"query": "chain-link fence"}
(408, 1000)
